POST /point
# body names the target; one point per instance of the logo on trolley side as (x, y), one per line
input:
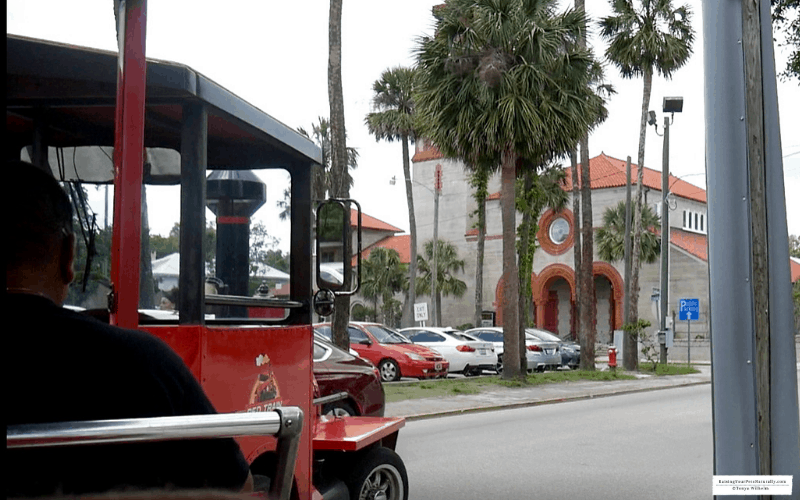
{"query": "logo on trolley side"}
(265, 394)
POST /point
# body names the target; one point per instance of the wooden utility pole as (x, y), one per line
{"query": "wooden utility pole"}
(754, 382)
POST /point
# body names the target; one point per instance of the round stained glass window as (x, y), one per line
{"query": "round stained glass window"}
(559, 230)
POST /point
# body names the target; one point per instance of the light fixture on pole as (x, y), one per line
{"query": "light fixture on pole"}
(437, 188)
(671, 105)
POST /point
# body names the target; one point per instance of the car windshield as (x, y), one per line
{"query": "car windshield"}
(460, 336)
(544, 335)
(385, 335)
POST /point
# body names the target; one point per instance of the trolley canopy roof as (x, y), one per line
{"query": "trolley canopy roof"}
(71, 91)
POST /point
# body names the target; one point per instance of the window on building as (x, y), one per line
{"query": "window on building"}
(559, 230)
(694, 221)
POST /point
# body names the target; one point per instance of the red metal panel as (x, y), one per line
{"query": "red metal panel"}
(128, 162)
(253, 369)
(185, 340)
(353, 433)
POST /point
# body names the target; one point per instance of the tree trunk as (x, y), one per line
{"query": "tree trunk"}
(511, 351)
(411, 297)
(631, 357)
(439, 307)
(588, 305)
(480, 181)
(340, 185)
(479, 264)
(525, 264)
(576, 249)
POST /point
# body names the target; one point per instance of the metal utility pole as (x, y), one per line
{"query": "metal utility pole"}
(672, 105)
(664, 239)
(754, 375)
(437, 188)
(627, 302)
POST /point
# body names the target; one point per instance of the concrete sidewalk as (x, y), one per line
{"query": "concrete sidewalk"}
(503, 397)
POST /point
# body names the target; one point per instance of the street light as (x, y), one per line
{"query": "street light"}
(437, 188)
(671, 105)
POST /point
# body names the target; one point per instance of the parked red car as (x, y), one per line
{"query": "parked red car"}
(338, 371)
(393, 354)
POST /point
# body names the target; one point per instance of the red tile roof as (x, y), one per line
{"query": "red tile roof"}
(794, 266)
(430, 152)
(401, 243)
(607, 172)
(369, 222)
(695, 244)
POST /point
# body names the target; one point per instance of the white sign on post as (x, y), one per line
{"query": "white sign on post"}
(421, 312)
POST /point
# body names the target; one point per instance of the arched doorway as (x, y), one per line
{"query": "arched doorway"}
(608, 290)
(554, 299)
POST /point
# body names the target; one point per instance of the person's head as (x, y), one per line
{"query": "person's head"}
(41, 243)
(169, 300)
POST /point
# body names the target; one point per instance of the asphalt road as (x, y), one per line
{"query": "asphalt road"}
(655, 445)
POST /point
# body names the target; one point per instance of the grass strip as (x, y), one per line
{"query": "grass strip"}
(454, 387)
(668, 369)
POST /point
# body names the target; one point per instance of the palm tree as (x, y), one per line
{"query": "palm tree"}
(502, 82)
(383, 275)
(321, 180)
(394, 120)
(339, 175)
(611, 237)
(447, 264)
(654, 37)
(586, 308)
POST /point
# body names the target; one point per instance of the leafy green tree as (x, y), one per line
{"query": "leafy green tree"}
(261, 244)
(499, 83)
(164, 246)
(653, 37)
(786, 18)
(98, 272)
(394, 120)
(796, 299)
(447, 265)
(479, 180)
(535, 192)
(611, 237)
(382, 276)
(794, 246)
(363, 313)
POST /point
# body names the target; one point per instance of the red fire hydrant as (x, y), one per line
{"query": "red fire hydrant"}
(612, 358)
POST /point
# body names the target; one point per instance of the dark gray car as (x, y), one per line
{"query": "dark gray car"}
(570, 351)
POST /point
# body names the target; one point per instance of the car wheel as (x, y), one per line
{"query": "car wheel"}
(339, 409)
(378, 474)
(499, 367)
(389, 370)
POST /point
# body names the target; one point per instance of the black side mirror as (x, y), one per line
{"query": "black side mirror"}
(334, 249)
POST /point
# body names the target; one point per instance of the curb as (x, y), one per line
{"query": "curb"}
(526, 404)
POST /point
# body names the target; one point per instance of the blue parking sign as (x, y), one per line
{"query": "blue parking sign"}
(689, 309)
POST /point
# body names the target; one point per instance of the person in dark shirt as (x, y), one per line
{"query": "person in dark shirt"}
(63, 366)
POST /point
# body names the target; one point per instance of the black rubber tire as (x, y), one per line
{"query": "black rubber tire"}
(389, 370)
(378, 470)
(499, 366)
(339, 409)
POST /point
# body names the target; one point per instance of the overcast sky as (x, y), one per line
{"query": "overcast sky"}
(274, 55)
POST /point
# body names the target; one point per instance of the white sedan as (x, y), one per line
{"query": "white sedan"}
(466, 355)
